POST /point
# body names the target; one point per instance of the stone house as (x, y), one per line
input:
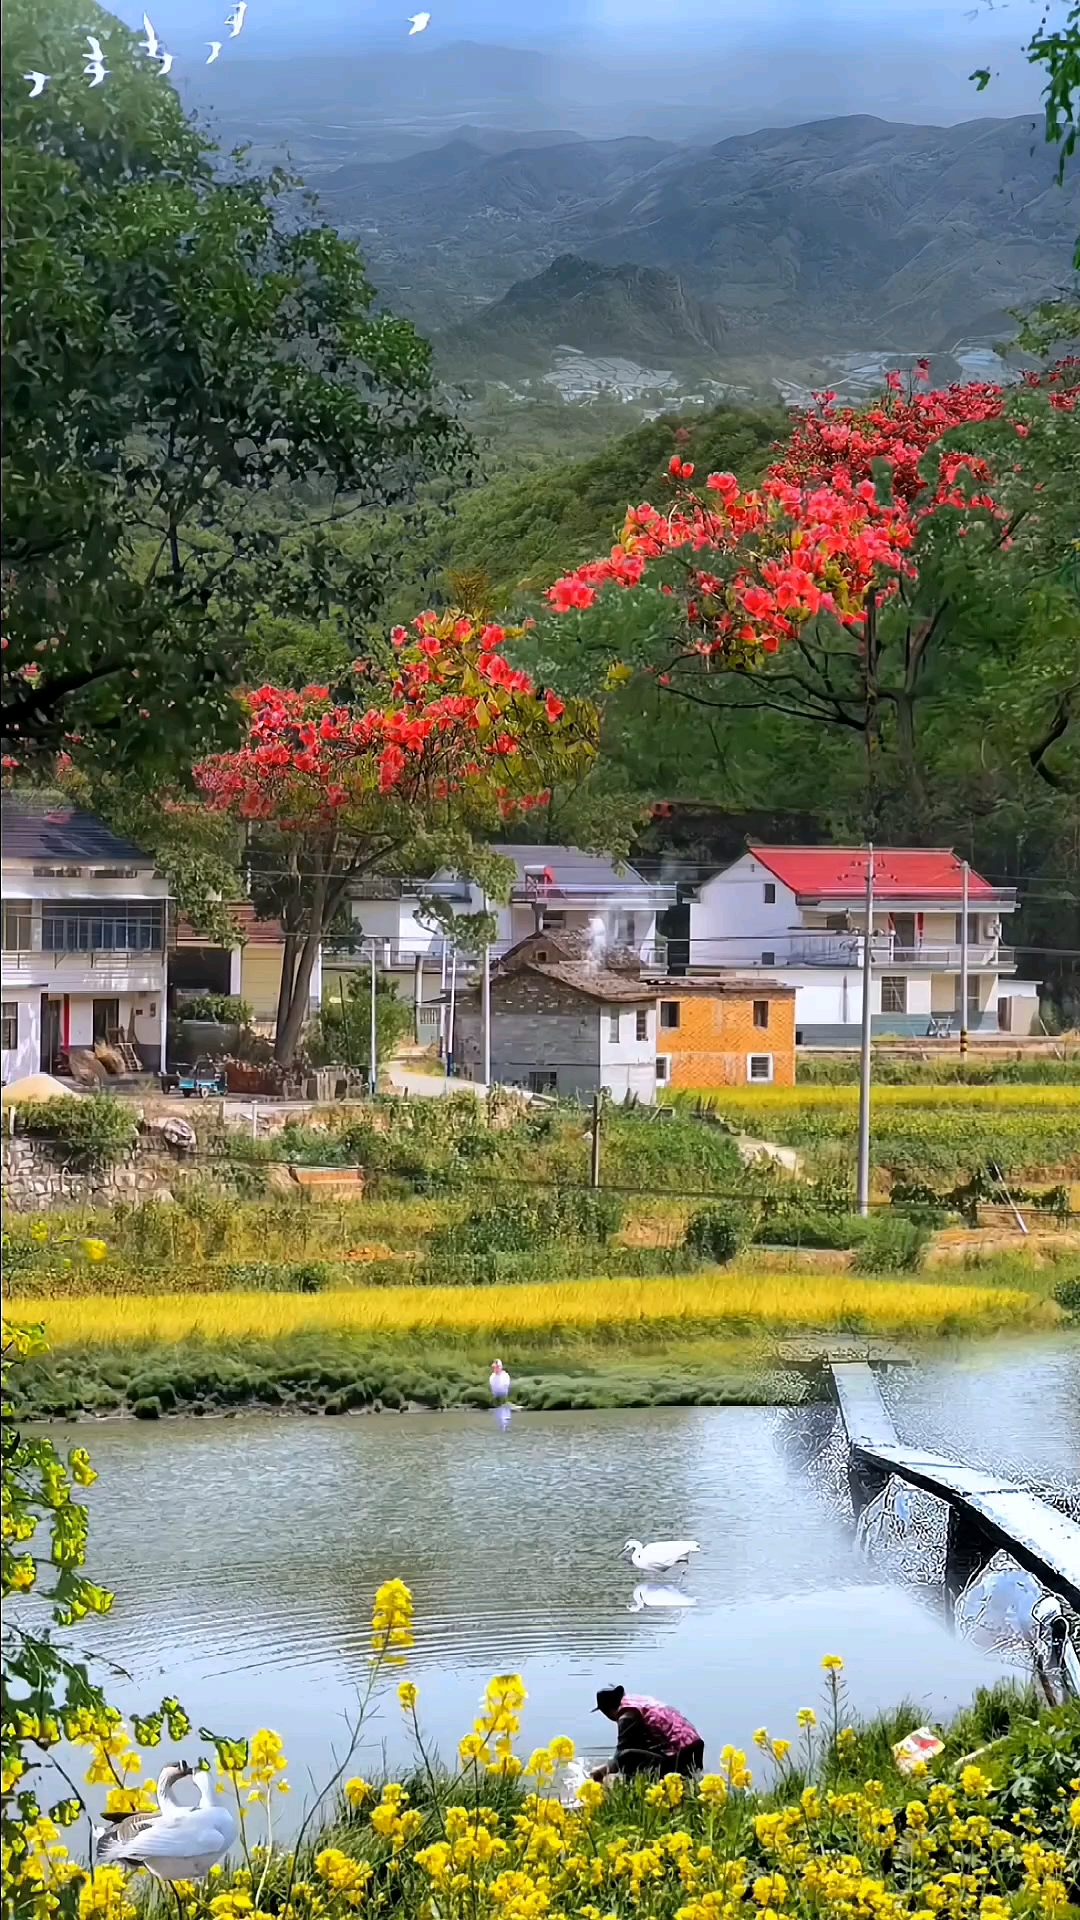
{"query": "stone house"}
(724, 1031)
(561, 1023)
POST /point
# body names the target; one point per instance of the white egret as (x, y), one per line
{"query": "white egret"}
(659, 1556)
(177, 1842)
(95, 69)
(417, 23)
(38, 83)
(166, 64)
(151, 46)
(235, 20)
(215, 49)
(499, 1382)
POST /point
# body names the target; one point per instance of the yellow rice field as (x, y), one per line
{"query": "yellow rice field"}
(825, 1098)
(598, 1309)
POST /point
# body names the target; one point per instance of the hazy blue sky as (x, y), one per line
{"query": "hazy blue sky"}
(900, 57)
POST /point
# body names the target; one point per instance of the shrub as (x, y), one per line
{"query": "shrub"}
(891, 1243)
(790, 1225)
(1067, 1294)
(716, 1234)
(95, 1127)
(226, 1009)
(524, 1221)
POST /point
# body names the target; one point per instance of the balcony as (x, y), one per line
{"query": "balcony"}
(96, 970)
(845, 950)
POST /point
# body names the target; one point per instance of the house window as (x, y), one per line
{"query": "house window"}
(894, 993)
(761, 1013)
(759, 1066)
(663, 1065)
(613, 1028)
(973, 928)
(669, 1013)
(642, 1025)
(543, 1082)
(626, 930)
(769, 891)
(541, 955)
(17, 924)
(836, 923)
(9, 1024)
(768, 959)
(121, 926)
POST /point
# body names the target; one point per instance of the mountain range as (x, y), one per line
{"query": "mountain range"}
(847, 231)
(641, 312)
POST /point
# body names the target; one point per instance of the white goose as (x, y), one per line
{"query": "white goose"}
(177, 1842)
(660, 1555)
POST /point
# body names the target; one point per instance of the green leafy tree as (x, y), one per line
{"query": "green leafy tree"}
(197, 393)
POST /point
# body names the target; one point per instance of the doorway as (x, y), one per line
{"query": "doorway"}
(52, 1037)
(904, 925)
(106, 1021)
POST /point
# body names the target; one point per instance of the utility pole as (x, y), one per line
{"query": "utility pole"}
(485, 1012)
(964, 877)
(450, 1014)
(594, 1168)
(374, 1067)
(864, 1059)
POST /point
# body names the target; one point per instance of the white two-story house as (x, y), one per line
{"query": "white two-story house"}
(798, 913)
(84, 939)
(559, 888)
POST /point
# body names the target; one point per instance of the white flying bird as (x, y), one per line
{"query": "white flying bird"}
(166, 64)
(235, 19)
(215, 49)
(38, 83)
(417, 23)
(151, 46)
(95, 69)
(660, 1555)
(177, 1842)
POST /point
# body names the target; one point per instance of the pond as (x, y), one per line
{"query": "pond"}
(244, 1554)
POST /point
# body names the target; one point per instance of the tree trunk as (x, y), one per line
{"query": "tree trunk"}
(290, 1028)
(288, 975)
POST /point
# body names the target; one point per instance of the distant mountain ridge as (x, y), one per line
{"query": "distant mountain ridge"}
(855, 231)
(641, 312)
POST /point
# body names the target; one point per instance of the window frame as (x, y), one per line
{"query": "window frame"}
(668, 1007)
(761, 1015)
(760, 1079)
(9, 1012)
(641, 1024)
(547, 1075)
(614, 1026)
(892, 981)
(663, 1069)
(768, 890)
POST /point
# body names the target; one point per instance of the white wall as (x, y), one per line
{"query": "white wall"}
(25, 1057)
(732, 924)
(628, 1065)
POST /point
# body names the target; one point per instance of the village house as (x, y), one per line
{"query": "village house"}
(723, 1031)
(250, 970)
(562, 1022)
(797, 914)
(84, 940)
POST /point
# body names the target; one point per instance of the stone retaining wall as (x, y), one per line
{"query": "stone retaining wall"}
(39, 1174)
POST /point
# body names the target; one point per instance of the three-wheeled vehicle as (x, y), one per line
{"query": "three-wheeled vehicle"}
(197, 1082)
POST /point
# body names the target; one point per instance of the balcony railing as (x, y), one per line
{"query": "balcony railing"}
(111, 959)
(846, 950)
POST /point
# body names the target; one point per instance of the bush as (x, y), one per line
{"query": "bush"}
(1067, 1294)
(891, 1243)
(716, 1234)
(225, 1009)
(790, 1225)
(96, 1127)
(523, 1222)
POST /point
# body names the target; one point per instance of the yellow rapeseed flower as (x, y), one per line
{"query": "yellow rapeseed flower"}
(408, 1694)
(832, 1663)
(392, 1621)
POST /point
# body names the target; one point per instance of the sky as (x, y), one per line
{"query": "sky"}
(804, 58)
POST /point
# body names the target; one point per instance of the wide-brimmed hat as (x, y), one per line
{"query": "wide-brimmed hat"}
(609, 1699)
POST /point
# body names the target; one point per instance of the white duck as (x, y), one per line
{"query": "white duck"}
(499, 1381)
(177, 1842)
(660, 1555)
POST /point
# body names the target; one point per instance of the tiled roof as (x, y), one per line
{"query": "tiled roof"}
(677, 986)
(256, 933)
(900, 873)
(597, 983)
(34, 829)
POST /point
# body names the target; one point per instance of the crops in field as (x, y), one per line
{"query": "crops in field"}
(917, 1133)
(601, 1310)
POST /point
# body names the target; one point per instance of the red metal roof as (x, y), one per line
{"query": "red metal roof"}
(900, 873)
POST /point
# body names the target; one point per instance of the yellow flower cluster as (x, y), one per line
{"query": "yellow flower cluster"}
(491, 1742)
(392, 1622)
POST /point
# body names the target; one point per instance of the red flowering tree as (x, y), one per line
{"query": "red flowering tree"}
(434, 750)
(827, 593)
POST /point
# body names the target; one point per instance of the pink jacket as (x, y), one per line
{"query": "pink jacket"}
(670, 1728)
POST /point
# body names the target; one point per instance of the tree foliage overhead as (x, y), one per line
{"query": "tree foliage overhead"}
(197, 386)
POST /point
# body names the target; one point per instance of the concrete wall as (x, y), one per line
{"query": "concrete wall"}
(716, 1035)
(732, 923)
(539, 1026)
(25, 1056)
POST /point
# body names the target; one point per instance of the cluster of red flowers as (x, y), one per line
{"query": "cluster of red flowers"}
(454, 712)
(816, 537)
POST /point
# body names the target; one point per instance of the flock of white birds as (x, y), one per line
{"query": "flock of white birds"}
(95, 70)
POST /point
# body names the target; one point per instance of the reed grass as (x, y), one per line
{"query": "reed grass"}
(602, 1310)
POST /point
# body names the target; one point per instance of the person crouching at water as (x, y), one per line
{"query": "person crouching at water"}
(652, 1738)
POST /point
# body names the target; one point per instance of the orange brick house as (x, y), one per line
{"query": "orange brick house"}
(724, 1032)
